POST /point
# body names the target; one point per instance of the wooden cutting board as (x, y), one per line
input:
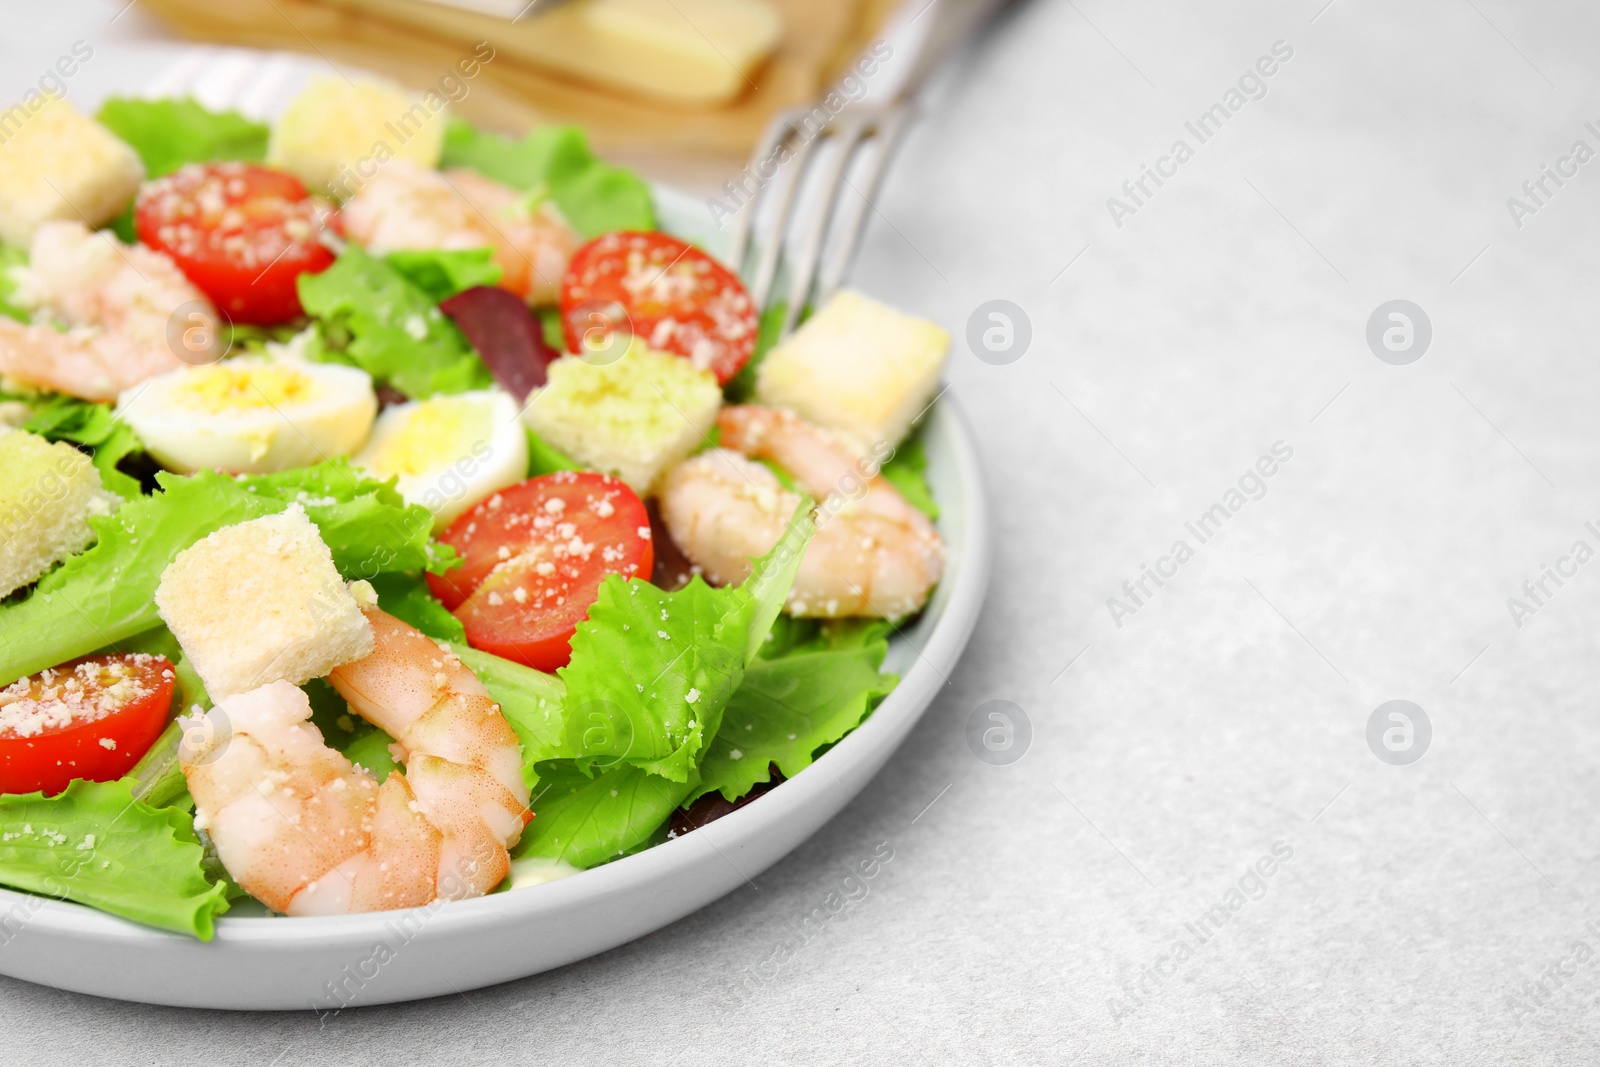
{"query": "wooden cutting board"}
(820, 38)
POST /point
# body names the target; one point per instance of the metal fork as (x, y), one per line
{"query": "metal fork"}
(850, 132)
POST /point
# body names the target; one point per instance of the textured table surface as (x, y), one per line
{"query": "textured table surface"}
(1102, 898)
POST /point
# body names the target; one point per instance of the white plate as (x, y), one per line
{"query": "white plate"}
(328, 963)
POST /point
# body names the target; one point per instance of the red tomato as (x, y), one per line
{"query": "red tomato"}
(533, 559)
(670, 294)
(91, 718)
(242, 233)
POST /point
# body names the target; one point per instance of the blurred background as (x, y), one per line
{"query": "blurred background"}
(681, 89)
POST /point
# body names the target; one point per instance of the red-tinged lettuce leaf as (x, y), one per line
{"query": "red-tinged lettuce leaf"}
(508, 338)
(98, 846)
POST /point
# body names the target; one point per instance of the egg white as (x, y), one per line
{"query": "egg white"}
(251, 416)
(449, 451)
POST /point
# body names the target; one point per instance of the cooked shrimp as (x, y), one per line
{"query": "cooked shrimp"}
(118, 304)
(307, 833)
(873, 554)
(405, 206)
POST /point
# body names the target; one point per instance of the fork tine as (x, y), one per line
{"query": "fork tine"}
(779, 130)
(772, 248)
(257, 98)
(891, 127)
(181, 76)
(846, 132)
(231, 79)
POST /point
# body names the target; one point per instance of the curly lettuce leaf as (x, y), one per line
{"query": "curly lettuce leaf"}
(108, 438)
(367, 524)
(786, 710)
(651, 671)
(106, 594)
(98, 846)
(588, 821)
(169, 133)
(555, 161)
(374, 316)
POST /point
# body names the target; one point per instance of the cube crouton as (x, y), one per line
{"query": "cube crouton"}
(260, 602)
(57, 163)
(337, 133)
(47, 495)
(631, 418)
(859, 367)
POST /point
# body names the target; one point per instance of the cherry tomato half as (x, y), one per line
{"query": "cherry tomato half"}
(90, 718)
(242, 233)
(670, 294)
(533, 559)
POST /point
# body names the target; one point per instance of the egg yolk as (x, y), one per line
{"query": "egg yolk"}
(223, 388)
(438, 429)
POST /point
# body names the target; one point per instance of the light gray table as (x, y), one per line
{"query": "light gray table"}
(1437, 912)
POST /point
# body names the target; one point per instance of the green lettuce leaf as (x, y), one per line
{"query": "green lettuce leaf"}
(786, 709)
(791, 635)
(406, 596)
(442, 274)
(651, 671)
(98, 846)
(533, 702)
(169, 133)
(742, 388)
(11, 257)
(556, 161)
(370, 748)
(367, 524)
(907, 471)
(550, 322)
(106, 594)
(157, 779)
(373, 316)
(542, 459)
(80, 422)
(588, 821)
(191, 691)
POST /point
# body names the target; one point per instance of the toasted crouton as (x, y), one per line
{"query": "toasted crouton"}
(631, 418)
(336, 133)
(859, 367)
(260, 602)
(47, 495)
(57, 163)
